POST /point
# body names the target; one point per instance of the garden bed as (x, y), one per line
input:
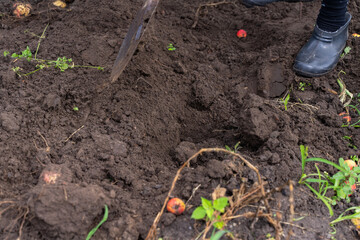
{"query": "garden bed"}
(123, 146)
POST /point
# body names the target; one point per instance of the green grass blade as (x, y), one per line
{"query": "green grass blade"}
(218, 235)
(304, 155)
(92, 232)
(348, 217)
(314, 180)
(322, 160)
(331, 212)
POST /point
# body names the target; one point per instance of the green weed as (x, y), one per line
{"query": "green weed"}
(350, 141)
(61, 63)
(285, 101)
(353, 106)
(346, 52)
(211, 212)
(236, 147)
(302, 85)
(344, 93)
(92, 232)
(340, 182)
(269, 237)
(171, 47)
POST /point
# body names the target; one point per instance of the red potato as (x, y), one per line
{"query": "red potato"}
(175, 206)
(241, 33)
(350, 163)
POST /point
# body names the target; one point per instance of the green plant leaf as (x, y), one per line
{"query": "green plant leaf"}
(338, 176)
(206, 203)
(314, 180)
(26, 54)
(304, 155)
(220, 204)
(218, 235)
(198, 213)
(14, 55)
(6, 53)
(92, 232)
(347, 50)
(210, 213)
(341, 193)
(341, 218)
(219, 225)
(351, 181)
(322, 160)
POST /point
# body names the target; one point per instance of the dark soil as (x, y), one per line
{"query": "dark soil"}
(213, 90)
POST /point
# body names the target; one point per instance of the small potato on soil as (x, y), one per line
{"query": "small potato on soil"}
(176, 206)
(21, 9)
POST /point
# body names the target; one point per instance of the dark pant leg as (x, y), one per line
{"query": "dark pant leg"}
(332, 15)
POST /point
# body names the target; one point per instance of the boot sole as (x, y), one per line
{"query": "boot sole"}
(310, 75)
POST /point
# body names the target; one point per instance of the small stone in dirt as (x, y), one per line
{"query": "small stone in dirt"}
(112, 193)
(10, 122)
(168, 218)
(216, 169)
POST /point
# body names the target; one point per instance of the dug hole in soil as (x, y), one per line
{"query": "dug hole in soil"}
(60, 167)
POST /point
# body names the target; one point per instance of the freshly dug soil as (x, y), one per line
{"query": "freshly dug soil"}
(123, 146)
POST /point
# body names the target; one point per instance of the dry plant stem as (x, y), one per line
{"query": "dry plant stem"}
(5, 202)
(46, 143)
(74, 133)
(292, 209)
(192, 194)
(5, 209)
(206, 5)
(278, 228)
(22, 223)
(256, 218)
(152, 231)
(13, 222)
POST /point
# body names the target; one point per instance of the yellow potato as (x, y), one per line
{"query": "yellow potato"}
(59, 3)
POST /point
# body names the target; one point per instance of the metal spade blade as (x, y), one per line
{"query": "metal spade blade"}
(133, 37)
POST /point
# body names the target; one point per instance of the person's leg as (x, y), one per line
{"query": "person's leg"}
(332, 15)
(322, 52)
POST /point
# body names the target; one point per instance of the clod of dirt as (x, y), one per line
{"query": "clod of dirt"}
(123, 228)
(167, 219)
(10, 122)
(108, 145)
(62, 205)
(216, 169)
(256, 124)
(205, 95)
(272, 82)
(184, 151)
(52, 101)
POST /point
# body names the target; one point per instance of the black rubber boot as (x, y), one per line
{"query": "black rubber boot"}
(252, 3)
(322, 52)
